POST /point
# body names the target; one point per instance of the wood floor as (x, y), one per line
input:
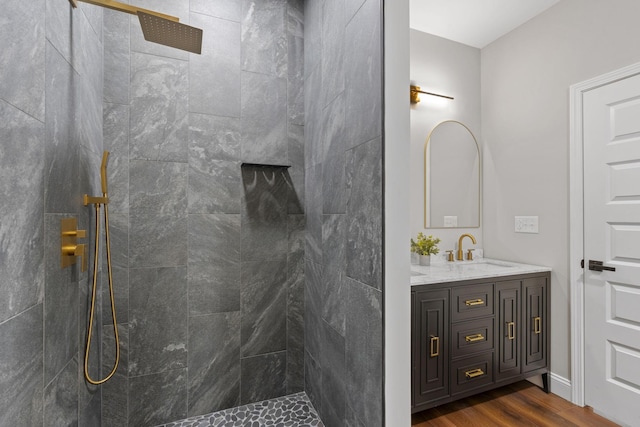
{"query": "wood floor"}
(521, 404)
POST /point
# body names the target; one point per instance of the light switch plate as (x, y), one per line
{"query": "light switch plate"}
(450, 221)
(526, 224)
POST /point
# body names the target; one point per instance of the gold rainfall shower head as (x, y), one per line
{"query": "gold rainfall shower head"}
(157, 27)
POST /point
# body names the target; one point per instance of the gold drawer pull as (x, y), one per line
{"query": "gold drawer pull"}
(471, 302)
(474, 338)
(511, 328)
(434, 345)
(474, 373)
(537, 325)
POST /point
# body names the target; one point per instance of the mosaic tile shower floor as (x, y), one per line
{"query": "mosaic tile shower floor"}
(294, 410)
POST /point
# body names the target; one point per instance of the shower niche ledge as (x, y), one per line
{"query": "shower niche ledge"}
(263, 165)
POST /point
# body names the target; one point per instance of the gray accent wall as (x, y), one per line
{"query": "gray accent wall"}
(208, 256)
(50, 147)
(343, 258)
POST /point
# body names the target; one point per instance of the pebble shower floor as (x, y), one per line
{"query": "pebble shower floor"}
(294, 410)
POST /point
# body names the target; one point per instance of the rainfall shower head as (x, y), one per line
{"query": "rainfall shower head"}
(157, 27)
(170, 33)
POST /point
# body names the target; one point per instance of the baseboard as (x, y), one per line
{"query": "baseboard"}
(560, 386)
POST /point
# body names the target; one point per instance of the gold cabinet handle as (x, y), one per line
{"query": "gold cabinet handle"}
(537, 325)
(511, 330)
(471, 302)
(474, 373)
(474, 338)
(434, 345)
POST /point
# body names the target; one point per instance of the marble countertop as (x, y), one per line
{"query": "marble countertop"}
(440, 272)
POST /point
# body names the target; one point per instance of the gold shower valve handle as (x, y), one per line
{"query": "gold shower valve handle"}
(69, 247)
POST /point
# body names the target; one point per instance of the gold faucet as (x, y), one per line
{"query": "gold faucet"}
(473, 239)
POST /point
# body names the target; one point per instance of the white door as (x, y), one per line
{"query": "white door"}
(611, 132)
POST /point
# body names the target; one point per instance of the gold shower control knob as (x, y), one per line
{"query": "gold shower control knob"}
(69, 247)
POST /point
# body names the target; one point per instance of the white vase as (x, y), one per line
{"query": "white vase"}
(415, 258)
(425, 259)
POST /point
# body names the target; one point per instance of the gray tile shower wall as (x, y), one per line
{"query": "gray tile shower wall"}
(50, 146)
(343, 288)
(210, 255)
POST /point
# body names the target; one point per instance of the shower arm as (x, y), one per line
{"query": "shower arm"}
(123, 7)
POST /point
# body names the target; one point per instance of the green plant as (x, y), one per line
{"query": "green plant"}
(425, 245)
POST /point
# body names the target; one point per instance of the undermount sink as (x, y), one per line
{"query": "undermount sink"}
(484, 265)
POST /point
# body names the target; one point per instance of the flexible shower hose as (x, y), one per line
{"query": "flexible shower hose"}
(93, 297)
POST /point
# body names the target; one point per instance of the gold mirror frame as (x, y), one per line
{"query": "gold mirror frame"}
(426, 144)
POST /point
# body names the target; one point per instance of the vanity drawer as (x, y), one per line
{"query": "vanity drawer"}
(471, 372)
(472, 337)
(472, 301)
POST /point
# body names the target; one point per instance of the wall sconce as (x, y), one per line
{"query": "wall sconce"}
(415, 94)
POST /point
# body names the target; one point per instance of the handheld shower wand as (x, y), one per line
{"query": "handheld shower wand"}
(97, 201)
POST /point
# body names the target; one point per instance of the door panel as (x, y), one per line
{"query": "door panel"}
(509, 332)
(611, 144)
(535, 340)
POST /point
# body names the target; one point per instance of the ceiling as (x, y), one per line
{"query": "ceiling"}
(473, 22)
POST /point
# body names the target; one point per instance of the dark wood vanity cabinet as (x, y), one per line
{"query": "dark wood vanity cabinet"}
(475, 335)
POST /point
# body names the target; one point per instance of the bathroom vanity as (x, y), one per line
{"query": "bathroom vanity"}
(476, 326)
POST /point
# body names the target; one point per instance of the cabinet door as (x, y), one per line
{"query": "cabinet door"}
(536, 323)
(509, 329)
(432, 331)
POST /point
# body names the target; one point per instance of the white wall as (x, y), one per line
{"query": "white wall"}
(449, 68)
(525, 127)
(397, 307)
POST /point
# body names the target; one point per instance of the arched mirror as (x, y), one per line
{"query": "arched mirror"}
(451, 177)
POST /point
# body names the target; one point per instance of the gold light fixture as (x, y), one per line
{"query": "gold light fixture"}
(415, 94)
(157, 27)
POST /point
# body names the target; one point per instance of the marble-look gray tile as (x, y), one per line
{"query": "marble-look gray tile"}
(61, 300)
(23, 56)
(295, 323)
(61, 397)
(312, 35)
(297, 170)
(264, 213)
(264, 307)
(214, 186)
(295, 62)
(313, 380)
(109, 350)
(263, 134)
(158, 320)
(213, 138)
(87, 391)
(333, 49)
(313, 110)
(351, 419)
(159, 108)
(157, 398)
(157, 240)
(115, 401)
(119, 240)
(264, 37)
(313, 210)
(313, 287)
(364, 353)
(94, 17)
(90, 415)
(116, 141)
(334, 125)
(214, 264)
(21, 354)
(334, 191)
(177, 8)
(117, 57)
(214, 86)
(263, 377)
(333, 377)
(214, 362)
(157, 187)
(334, 266)
(21, 210)
(62, 30)
(225, 9)
(62, 151)
(363, 74)
(364, 214)
(351, 7)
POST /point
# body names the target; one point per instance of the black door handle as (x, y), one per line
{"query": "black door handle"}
(599, 266)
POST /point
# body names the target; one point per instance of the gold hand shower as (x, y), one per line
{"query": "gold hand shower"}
(97, 201)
